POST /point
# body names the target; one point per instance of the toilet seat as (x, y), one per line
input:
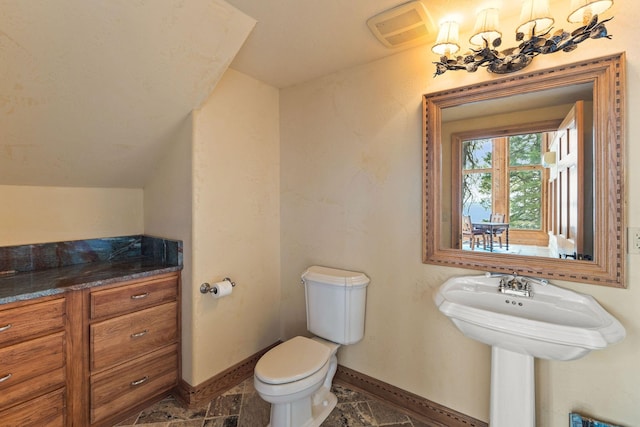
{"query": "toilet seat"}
(291, 361)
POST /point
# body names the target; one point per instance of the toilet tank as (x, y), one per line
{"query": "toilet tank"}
(336, 302)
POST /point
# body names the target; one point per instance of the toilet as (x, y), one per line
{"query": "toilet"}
(295, 376)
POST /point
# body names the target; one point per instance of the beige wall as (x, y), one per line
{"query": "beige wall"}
(351, 198)
(52, 214)
(168, 212)
(217, 189)
(235, 224)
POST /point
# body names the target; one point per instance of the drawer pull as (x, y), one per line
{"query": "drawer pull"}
(139, 334)
(5, 327)
(6, 377)
(140, 296)
(140, 381)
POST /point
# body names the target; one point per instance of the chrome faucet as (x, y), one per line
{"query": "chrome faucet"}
(512, 284)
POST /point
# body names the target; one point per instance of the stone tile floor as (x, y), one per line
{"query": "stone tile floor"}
(242, 407)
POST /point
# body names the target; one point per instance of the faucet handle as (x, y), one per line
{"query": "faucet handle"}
(541, 282)
(513, 276)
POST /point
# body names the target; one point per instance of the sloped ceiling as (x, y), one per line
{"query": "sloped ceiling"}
(91, 91)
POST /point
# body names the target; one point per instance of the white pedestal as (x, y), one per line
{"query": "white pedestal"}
(512, 389)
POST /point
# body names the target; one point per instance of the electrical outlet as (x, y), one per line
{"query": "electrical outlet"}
(634, 240)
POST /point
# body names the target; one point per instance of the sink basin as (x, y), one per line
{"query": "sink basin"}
(521, 320)
(554, 323)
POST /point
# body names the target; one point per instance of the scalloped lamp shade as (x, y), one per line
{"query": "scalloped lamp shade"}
(486, 27)
(583, 10)
(447, 42)
(535, 17)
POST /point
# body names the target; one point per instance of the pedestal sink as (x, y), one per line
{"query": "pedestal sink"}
(522, 318)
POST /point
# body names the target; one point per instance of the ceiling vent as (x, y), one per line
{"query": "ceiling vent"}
(406, 25)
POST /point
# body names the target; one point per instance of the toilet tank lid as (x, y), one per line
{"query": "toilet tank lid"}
(334, 276)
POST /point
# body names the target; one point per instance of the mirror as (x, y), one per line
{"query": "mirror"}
(545, 152)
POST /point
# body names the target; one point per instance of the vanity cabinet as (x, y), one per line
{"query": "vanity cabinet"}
(32, 363)
(133, 345)
(89, 329)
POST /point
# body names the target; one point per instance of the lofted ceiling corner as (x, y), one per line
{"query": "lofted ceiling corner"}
(92, 91)
(296, 41)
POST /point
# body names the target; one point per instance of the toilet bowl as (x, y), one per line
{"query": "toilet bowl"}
(295, 377)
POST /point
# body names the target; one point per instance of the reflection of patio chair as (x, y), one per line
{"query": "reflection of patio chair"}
(497, 231)
(473, 234)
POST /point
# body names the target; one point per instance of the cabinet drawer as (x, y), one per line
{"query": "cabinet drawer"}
(117, 340)
(28, 321)
(44, 411)
(36, 386)
(115, 390)
(124, 299)
(24, 361)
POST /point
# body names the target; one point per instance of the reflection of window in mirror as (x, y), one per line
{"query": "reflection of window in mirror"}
(500, 173)
(504, 174)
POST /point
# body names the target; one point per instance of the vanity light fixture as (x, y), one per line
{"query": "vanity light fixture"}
(534, 34)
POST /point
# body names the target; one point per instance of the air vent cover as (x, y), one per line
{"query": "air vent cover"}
(405, 25)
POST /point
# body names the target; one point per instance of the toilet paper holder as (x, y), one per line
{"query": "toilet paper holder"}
(206, 288)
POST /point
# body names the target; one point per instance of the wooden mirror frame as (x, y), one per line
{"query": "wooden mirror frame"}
(608, 267)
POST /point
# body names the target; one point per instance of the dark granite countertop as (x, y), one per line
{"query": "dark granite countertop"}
(33, 276)
(35, 284)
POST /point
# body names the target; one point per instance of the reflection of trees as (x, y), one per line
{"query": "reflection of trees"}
(476, 190)
(525, 200)
(525, 149)
(476, 187)
(525, 184)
